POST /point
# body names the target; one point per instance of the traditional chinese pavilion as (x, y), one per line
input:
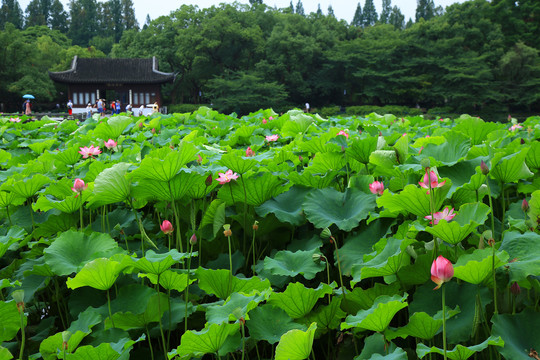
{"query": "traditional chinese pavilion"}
(132, 81)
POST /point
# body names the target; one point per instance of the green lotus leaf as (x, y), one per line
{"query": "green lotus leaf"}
(297, 300)
(449, 153)
(216, 282)
(56, 224)
(510, 168)
(378, 317)
(384, 158)
(468, 218)
(29, 186)
(288, 263)
(69, 156)
(14, 234)
(463, 174)
(207, 341)
(518, 333)
(113, 127)
(388, 258)
(422, 326)
(412, 199)
(132, 298)
(102, 352)
(361, 149)
(317, 144)
(296, 344)
(100, 274)
(153, 263)
(68, 205)
(287, 207)
(461, 352)
(40, 145)
(5, 354)
(112, 185)
(459, 329)
(534, 207)
(311, 180)
(533, 156)
(170, 280)
(328, 317)
(72, 250)
(140, 320)
(325, 162)
(237, 163)
(79, 329)
(360, 299)
(297, 124)
(10, 320)
(524, 250)
(166, 164)
(235, 307)
(376, 347)
(214, 216)
(153, 189)
(402, 148)
(259, 188)
(417, 273)
(8, 198)
(5, 156)
(475, 268)
(269, 323)
(475, 128)
(324, 207)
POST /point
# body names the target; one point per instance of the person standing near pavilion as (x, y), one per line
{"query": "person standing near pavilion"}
(28, 108)
(70, 107)
(118, 107)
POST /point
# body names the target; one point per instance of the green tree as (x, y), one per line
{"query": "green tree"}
(37, 13)
(300, 8)
(11, 12)
(85, 21)
(58, 17)
(358, 20)
(331, 11)
(319, 11)
(386, 11)
(243, 92)
(369, 16)
(397, 18)
(256, 2)
(128, 12)
(425, 9)
(520, 74)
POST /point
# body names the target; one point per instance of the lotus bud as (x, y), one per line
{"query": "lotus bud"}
(522, 142)
(65, 338)
(227, 228)
(141, 125)
(18, 296)
(193, 239)
(484, 168)
(153, 130)
(166, 227)
(208, 180)
(316, 258)
(515, 289)
(525, 205)
(326, 233)
(488, 235)
(237, 313)
(425, 163)
(255, 225)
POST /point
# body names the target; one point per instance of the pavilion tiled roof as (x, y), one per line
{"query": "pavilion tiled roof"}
(106, 70)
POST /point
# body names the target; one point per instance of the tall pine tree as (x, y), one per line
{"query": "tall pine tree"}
(386, 10)
(370, 14)
(397, 18)
(129, 20)
(358, 18)
(59, 17)
(331, 11)
(11, 12)
(84, 23)
(425, 9)
(300, 8)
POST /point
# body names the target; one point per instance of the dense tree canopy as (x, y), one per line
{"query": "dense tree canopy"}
(241, 57)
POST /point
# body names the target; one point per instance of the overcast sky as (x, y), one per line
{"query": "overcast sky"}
(343, 9)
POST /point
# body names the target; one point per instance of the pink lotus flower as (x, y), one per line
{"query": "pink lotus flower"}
(79, 186)
(264, 121)
(445, 214)
(270, 118)
(376, 187)
(433, 179)
(15, 120)
(89, 151)
(166, 227)
(227, 177)
(199, 159)
(343, 133)
(515, 127)
(249, 152)
(272, 137)
(110, 144)
(442, 271)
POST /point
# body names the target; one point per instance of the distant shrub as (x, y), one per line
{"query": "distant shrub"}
(328, 111)
(184, 108)
(381, 110)
(362, 110)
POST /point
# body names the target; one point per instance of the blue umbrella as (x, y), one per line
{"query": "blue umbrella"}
(28, 96)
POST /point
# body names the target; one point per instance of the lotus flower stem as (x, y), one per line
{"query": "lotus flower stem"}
(186, 293)
(81, 217)
(328, 276)
(245, 215)
(253, 251)
(243, 339)
(230, 267)
(149, 342)
(109, 306)
(177, 222)
(491, 206)
(9, 216)
(444, 320)
(494, 279)
(339, 266)
(432, 211)
(503, 209)
(23, 334)
(160, 316)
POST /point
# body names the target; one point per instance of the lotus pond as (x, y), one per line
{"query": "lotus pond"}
(208, 236)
